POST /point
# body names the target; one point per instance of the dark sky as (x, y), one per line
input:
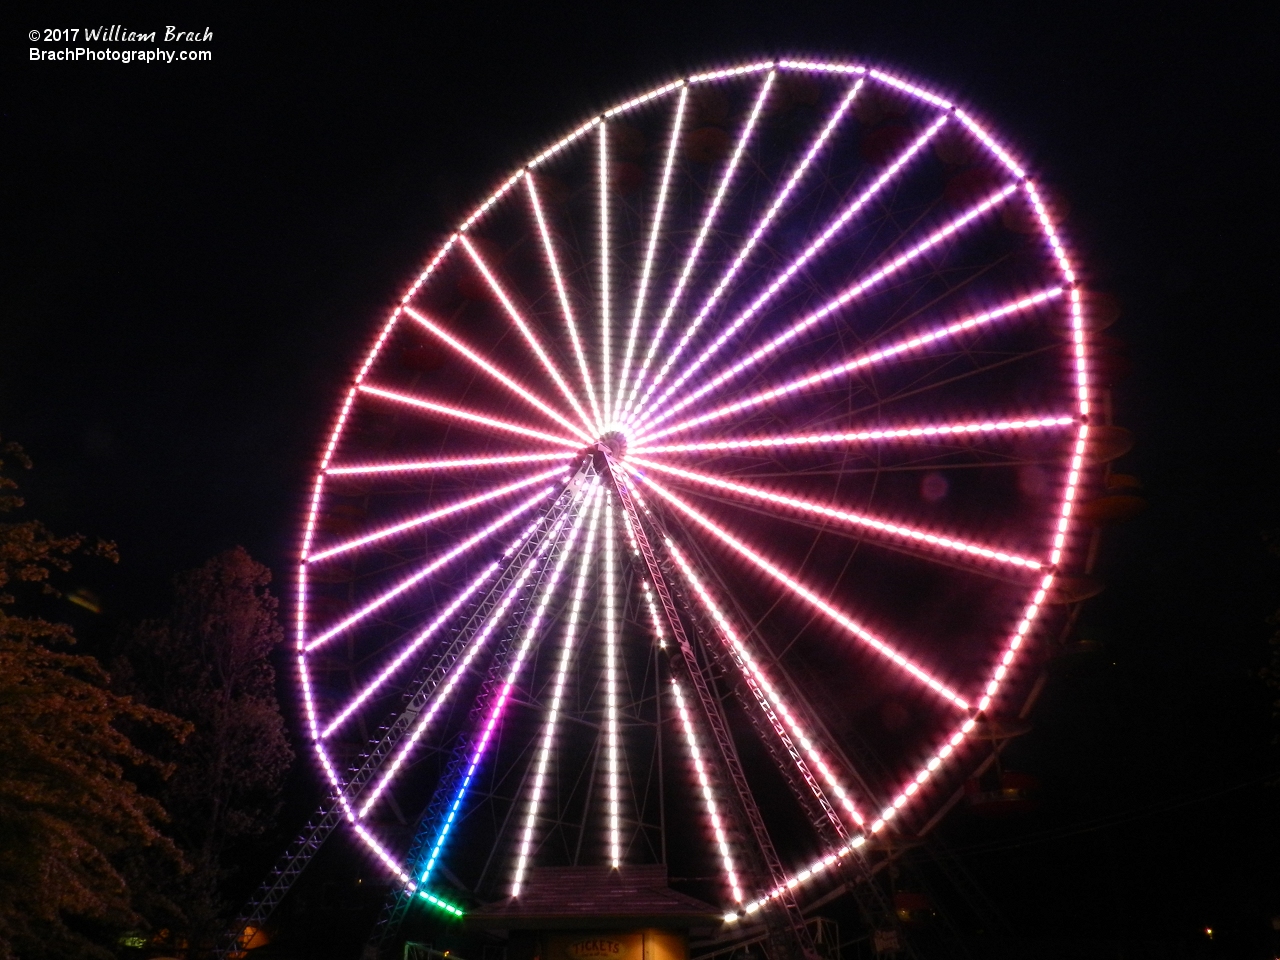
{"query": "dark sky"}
(194, 255)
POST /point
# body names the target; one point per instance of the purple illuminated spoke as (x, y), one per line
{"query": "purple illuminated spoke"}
(708, 223)
(848, 295)
(903, 349)
(438, 514)
(438, 564)
(746, 249)
(606, 294)
(838, 224)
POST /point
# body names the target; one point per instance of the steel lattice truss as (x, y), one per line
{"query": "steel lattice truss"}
(699, 497)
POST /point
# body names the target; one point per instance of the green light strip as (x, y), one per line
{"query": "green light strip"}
(442, 904)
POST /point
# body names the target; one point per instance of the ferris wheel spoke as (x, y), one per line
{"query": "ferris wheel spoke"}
(496, 372)
(566, 308)
(613, 744)
(526, 331)
(916, 536)
(872, 436)
(708, 223)
(529, 633)
(567, 648)
(426, 634)
(805, 593)
(427, 570)
(606, 294)
(746, 249)
(781, 717)
(837, 224)
(468, 416)
(444, 465)
(708, 798)
(848, 295)
(462, 506)
(905, 348)
(461, 668)
(655, 232)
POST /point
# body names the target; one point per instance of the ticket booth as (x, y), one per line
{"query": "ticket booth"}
(597, 913)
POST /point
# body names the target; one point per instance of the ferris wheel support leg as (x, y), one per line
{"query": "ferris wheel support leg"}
(789, 936)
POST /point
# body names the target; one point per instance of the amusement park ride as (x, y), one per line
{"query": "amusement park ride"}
(710, 504)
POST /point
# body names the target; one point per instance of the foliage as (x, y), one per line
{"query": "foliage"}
(69, 812)
(208, 663)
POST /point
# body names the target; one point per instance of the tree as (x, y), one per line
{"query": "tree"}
(69, 812)
(209, 663)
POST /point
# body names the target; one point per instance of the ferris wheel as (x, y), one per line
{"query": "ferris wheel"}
(701, 499)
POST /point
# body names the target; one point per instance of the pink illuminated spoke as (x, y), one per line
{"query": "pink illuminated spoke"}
(838, 224)
(848, 295)
(745, 251)
(766, 692)
(893, 531)
(469, 416)
(438, 514)
(902, 349)
(806, 594)
(655, 231)
(447, 464)
(525, 330)
(410, 649)
(557, 279)
(426, 571)
(494, 371)
(925, 432)
(708, 223)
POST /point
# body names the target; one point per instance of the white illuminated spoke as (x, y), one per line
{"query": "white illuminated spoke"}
(833, 229)
(496, 372)
(460, 669)
(805, 593)
(708, 223)
(525, 329)
(446, 464)
(760, 684)
(525, 849)
(746, 249)
(566, 309)
(655, 231)
(878, 525)
(708, 798)
(613, 744)
(848, 295)
(440, 513)
(450, 412)
(852, 438)
(906, 348)
(606, 295)
(529, 634)
(435, 565)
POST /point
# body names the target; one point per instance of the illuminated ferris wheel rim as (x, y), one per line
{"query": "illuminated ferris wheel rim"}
(644, 414)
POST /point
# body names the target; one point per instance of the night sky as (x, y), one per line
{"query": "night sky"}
(195, 255)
